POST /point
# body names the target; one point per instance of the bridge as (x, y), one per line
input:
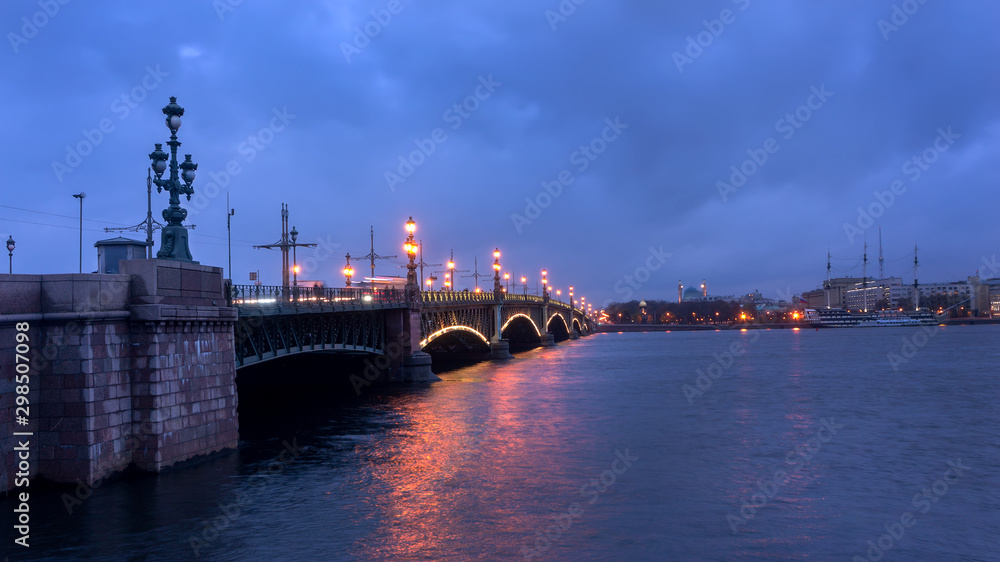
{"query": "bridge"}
(139, 368)
(276, 321)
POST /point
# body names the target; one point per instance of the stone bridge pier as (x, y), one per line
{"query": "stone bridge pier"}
(129, 369)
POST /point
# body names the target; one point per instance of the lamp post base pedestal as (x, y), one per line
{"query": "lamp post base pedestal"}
(174, 244)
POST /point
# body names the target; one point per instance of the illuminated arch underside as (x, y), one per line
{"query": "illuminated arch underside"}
(449, 329)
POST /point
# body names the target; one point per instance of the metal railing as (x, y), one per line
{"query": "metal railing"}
(455, 297)
(271, 295)
(458, 297)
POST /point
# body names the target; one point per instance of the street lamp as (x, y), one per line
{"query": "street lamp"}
(80, 196)
(447, 280)
(524, 284)
(545, 283)
(348, 270)
(295, 262)
(10, 254)
(506, 279)
(229, 234)
(411, 252)
(571, 296)
(173, 236)
(496, 270)
(450, 275)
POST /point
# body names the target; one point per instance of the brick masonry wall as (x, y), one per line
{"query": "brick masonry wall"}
(131, 368)
(85, 414)
(185, 384)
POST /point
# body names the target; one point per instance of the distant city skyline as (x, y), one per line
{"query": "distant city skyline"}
(732, 141)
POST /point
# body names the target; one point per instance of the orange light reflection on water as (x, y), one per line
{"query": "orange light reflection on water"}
(446, 461)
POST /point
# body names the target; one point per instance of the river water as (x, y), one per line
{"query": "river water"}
(793, 445)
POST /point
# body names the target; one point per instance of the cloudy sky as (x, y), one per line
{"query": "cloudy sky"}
(727, 140)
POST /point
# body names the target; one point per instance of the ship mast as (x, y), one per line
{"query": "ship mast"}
(881, 260)
(827, 286)
(864, 276)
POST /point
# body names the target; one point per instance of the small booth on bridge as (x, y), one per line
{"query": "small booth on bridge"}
(114, 250)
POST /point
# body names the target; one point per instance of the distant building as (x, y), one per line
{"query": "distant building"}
(876, 293)
(837, 288)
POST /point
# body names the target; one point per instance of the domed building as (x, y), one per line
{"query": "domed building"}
(692, 293)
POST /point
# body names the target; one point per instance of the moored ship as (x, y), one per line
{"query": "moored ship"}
(841, 318)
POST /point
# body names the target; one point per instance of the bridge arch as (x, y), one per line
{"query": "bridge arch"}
(451, 329)
(560, 329)
(521, 332)
(576, 325)
(523, 316)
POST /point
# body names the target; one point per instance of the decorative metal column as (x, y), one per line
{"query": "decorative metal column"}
(173, 236)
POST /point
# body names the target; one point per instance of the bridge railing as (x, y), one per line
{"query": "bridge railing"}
(513, 297)
(271, 295)
(459, 297)
(456, 297)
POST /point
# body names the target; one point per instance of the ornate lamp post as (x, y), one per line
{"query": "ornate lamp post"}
(450, 276)
(348, 270)
(173, 236)
(496, 270)
(545, 284)
(411, 252)
(506, 280)
(571, 296)
(10, 254)
(295, 261)
(447, 280)
(524, 284)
